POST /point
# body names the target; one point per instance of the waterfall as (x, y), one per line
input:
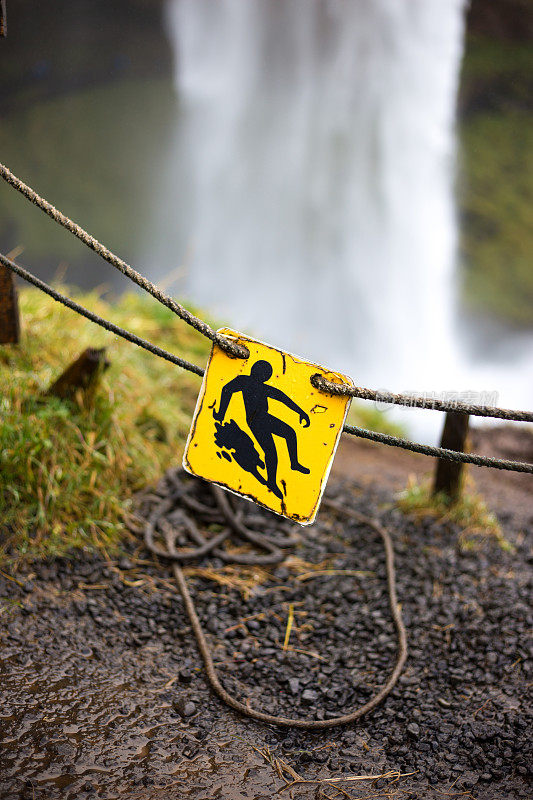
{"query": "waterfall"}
(310, 188)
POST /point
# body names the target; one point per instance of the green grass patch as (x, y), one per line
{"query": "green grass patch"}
(68, 469)
(470, 512)
(487, 58)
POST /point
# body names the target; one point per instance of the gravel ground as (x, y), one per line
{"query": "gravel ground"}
(102, 694)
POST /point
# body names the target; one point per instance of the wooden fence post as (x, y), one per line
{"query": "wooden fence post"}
(9, 308)
(83, 374)
(448, 473)
(3, 18)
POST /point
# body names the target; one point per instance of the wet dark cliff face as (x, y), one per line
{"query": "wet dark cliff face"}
(510, 20)
(75, 77)
(105, 41)
(495, 108)
(125, 38)
(504, 84)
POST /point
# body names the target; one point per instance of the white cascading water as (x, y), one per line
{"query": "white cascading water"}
(310, 188)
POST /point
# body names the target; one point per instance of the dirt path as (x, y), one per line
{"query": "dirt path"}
(102, 695)
(508, 494)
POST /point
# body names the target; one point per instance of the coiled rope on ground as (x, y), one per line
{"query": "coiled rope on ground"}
(173, 518)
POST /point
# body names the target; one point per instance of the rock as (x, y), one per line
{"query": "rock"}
(185, 675)
(309, 696)
(413, 730)
(185, 708)
(294, 685)
(468, 779)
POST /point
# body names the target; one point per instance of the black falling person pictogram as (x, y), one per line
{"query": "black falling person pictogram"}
(256, 393)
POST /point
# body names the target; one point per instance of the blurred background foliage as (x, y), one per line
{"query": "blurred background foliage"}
(495, 183)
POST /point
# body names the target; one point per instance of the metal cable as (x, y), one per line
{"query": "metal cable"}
(428, 450)
(440, 452)
(238, 350)
(412, 401)
(202, 327)
(109, 326)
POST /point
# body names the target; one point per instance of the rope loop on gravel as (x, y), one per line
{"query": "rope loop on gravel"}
(174, 518)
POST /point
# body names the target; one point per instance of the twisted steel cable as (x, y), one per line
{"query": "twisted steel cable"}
(383, 438)
(235, 349)
(109, 326)
(198, 324)
(412, 401)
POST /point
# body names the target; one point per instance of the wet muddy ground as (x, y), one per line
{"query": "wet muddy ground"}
(102, 694)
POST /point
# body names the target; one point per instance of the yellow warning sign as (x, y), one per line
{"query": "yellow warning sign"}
(263, 431)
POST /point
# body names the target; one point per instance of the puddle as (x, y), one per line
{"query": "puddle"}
(80, 729)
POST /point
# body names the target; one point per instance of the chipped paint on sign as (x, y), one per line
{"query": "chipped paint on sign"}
(263, 431)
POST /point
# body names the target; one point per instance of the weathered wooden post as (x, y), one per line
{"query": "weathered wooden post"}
(448, 473)
(3, 18)
(9, 309)
(83, 374)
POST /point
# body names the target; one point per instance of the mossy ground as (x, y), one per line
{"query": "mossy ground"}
(69, 468)
(469, 512)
